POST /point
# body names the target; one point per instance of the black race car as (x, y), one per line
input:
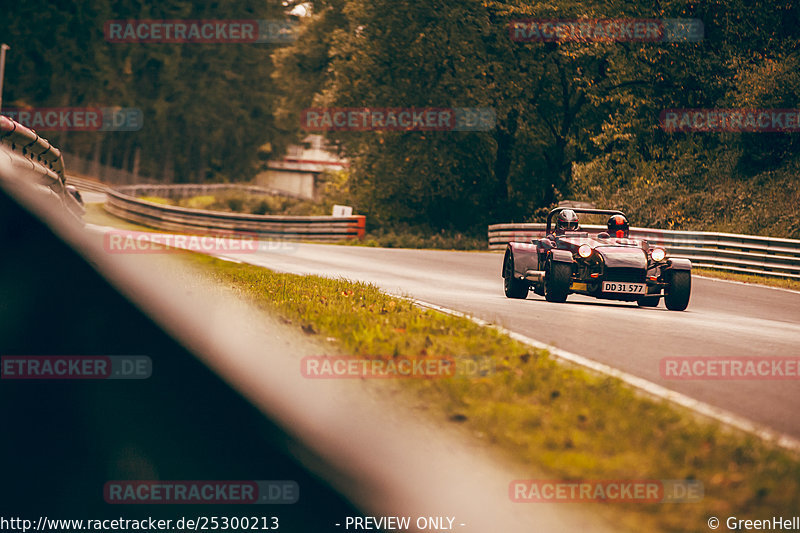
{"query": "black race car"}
(608, 266)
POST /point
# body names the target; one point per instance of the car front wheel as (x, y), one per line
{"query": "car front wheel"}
(557, 282)
(648, 301)
(679, 290)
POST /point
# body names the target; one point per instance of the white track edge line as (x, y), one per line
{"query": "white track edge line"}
(653, 389)
(784, 289)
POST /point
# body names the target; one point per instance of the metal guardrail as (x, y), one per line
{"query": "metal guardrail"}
(121, 202)
(185, 190)
(26, 142)
(31, 161)
(174, 218)
(86, 184)
(174, 190)
(750, 254)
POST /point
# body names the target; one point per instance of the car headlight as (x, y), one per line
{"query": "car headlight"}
(658, 254)
(585, 251)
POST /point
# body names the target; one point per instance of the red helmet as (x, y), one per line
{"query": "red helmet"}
(618, 226)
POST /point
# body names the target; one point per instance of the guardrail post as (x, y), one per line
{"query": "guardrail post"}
(361, 226)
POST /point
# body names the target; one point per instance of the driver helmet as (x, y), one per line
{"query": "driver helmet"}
(618, 226)
(567, 220)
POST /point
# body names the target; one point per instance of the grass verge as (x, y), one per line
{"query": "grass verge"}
(770, 281)
(547, 417)
(420, 240)
(157, 200)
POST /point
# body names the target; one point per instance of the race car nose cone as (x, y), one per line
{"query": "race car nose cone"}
(623, 257)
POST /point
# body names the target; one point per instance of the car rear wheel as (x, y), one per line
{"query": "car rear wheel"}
(679, 290)
(514, 288)
(557, 282)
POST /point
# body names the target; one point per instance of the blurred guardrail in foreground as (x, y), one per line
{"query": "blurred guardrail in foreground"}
(26, 142)
(173, 218)
(31, 161)
(748, 254)
(224, 400)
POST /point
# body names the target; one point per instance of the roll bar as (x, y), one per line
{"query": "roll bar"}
(580, 210)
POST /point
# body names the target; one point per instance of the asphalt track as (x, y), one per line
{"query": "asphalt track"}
(723, 319)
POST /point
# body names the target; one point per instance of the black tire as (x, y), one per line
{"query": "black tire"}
(514, 288)
(648, 301)
(679, 290)
(557, 282)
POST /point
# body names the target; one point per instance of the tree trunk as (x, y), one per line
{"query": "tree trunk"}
(137, 154)
(169, 167)
(108, 172)
(505, 137)
(126, 157)
(95, 167)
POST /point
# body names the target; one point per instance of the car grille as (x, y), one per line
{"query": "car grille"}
(630, 275)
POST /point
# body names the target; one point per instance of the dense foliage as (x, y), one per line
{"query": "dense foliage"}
(575, 120)
(207, 108)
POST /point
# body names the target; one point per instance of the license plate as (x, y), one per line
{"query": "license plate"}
(625, 288)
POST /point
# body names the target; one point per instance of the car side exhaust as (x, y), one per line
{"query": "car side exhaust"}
(534, 275)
